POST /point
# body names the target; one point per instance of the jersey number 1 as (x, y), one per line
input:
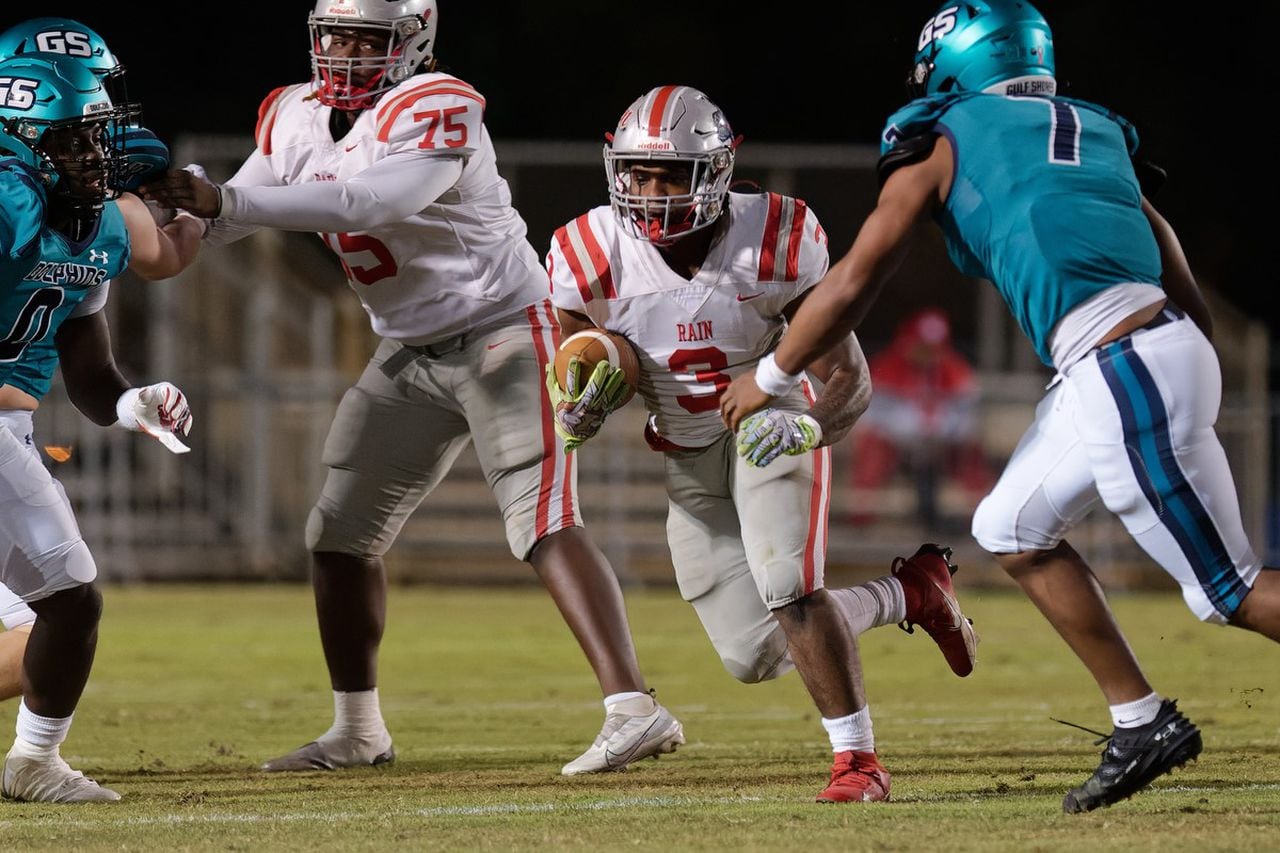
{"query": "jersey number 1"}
(1064, 134)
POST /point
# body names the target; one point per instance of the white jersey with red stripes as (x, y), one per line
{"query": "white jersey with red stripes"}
(463, 259)
(693, 336)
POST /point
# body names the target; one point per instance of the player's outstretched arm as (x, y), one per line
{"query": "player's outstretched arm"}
(93, 381)
(839, 302)
(102, 394)
(1176, 275)
(390, 190)
(155, 251)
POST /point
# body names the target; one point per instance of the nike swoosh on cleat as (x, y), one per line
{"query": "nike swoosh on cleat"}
(742, 298)
(611, 757)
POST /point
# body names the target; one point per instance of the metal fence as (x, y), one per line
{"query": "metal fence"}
(264, 337)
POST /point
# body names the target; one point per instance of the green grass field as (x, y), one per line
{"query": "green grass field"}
(486, 695)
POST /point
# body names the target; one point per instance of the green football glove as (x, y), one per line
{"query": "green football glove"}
(770, 433)
(579, 410)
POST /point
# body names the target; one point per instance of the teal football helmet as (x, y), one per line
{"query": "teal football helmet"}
(44, 95)
(1001, 46)
(65, 37)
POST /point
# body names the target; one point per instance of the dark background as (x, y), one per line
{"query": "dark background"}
(1191, 81)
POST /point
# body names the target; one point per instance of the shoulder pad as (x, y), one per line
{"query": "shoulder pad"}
(907, 151)
(267, 112)
(1126, 127)
(1150, 177)
(918, 117)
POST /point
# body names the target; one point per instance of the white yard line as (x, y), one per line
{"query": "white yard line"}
(340, 817)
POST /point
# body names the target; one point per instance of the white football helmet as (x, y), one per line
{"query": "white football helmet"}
(671, 124)
(410, 26)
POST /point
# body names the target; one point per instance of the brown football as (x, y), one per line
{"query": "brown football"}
(593, 346)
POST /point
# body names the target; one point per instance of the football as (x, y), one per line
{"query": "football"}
(595, 345)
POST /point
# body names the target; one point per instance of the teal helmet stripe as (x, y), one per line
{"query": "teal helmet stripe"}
(973, 46)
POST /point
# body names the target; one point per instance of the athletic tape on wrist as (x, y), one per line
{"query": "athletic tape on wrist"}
(773, 380)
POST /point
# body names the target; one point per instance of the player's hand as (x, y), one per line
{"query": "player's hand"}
(768, 434)
(740, 399)
(579, 410)
(159, 410)
(186, 189)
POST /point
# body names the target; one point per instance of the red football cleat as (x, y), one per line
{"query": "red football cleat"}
(856, 777)
(931, 604)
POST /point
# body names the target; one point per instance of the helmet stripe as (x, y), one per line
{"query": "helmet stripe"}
(660, 103)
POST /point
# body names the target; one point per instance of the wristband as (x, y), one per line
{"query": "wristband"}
(771, 379)
(126, 409)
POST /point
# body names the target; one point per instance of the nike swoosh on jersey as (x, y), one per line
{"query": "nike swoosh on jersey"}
(498, 344)
(352, 147)
(742, 298)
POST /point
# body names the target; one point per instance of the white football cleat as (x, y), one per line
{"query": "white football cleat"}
(633, 729)
(331, 752)
(43, 777)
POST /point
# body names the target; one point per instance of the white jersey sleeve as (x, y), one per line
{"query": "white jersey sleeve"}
(390, 190)
(444, 116)
(576, 260)
(792, 254)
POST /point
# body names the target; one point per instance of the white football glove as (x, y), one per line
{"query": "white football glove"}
(769, 433)
(159, 410)
(579, 410)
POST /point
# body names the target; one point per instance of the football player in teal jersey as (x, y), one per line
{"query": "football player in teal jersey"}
(1040, 195)
(65, 231)
(33, 372)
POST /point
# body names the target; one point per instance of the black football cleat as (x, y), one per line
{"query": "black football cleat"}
(1135, 757)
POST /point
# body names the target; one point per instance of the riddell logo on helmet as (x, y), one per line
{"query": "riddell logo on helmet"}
(656, 145)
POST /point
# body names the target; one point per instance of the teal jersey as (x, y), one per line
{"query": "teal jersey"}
(1044, 203)
(44, 275)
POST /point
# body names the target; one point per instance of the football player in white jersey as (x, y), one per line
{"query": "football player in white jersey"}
(390, 160)
(701, 281)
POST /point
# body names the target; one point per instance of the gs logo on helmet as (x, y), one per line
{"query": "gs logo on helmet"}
(938, 26)
(18, 93)
(68, 42)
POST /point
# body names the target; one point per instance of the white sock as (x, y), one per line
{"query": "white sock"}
(1139, 712)
(851, 733)
(41, 732)
(614, 698)
(357, 714)
(871, 604)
